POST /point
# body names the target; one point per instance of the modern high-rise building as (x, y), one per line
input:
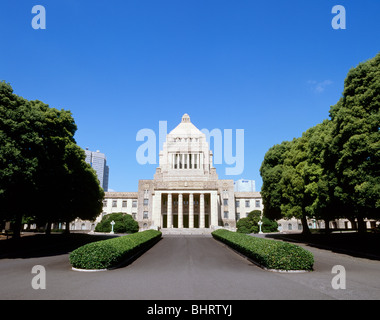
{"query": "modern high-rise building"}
(98, 161)
(244, 185)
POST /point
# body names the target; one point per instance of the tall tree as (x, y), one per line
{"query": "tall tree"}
(43, 172)
(20, 144)
(283, 177)
(356, 143)
(271, 171)
(292, 183)
(320, 176)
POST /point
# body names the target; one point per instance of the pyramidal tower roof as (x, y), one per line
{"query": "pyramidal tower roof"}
(185, 128)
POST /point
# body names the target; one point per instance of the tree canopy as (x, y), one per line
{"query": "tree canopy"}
(332, 170)
(43, 173)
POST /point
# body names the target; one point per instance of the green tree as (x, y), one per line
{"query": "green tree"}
(250, 224)
(43, 173)
(20, 144)
(124, 223)
(271, 172)
(78, 193)
(356, 143)
(284, 187)
(292, 183)
(320, 175)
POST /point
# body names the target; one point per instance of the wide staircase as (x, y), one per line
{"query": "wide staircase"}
(186, 231)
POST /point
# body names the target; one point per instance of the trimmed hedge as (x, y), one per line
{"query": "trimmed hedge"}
(106, 254)
(271, 254)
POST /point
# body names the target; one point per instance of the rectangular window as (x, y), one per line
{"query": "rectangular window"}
(247, 203)
(104, 203)
(225, 215)
(237, 204)
(237, 215)
(124, 204)
(145, 216)
(134, 203)
(225, 202)
(146, 202)
(257, 203)
(114, 203)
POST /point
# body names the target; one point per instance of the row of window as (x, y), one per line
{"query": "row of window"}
(124, 203)
(185, 139)
(247, 203)
(146, 203)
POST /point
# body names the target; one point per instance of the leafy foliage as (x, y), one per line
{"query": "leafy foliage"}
(332, 170)
(356, 141)
(124, 223)
(40, 160)
(250, 224)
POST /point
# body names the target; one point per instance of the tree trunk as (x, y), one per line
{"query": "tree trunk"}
(327, 226)
(17, 227)
(48, 227)
(362, 227)
(305, 227)
(67, 229)
(353, 223)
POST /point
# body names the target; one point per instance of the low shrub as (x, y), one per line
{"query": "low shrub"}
(106, 254)
(250, 224)
(124, 223)
(271, 254)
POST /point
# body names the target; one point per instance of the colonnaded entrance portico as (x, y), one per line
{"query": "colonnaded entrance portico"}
(187, 209)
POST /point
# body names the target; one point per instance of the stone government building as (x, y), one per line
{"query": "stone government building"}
(185, 191)
(186, 195)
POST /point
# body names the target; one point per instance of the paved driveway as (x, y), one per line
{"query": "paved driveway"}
(190, 268)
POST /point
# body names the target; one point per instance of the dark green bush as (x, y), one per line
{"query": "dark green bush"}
(250, 224)
(109, 253)
(124, 223)
(269, 253)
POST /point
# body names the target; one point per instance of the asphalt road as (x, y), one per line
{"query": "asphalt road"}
(190, 268)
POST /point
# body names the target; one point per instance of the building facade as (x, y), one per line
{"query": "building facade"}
(98, 162)
(186, 191)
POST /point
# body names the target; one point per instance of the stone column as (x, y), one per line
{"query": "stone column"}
(214, 209)
(202, 211)
(180, 210)
(157, 214)
(169, 212)
(191, 210)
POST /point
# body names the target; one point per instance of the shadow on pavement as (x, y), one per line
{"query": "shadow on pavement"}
(350, 243)
(41, 245)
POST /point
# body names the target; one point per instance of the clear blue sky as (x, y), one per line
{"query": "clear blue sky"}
(272, 68)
